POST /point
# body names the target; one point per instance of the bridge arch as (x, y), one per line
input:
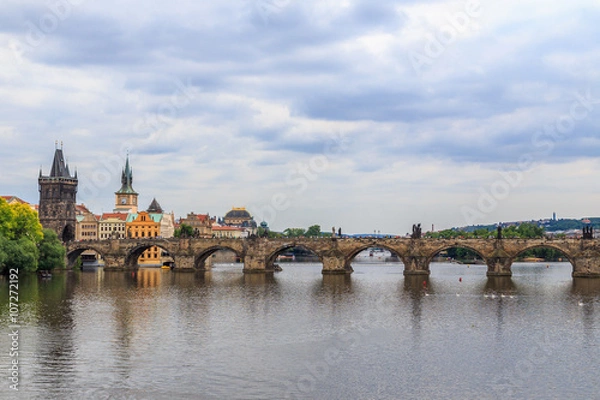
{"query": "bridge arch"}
(131, 259)
(273, 254)
(550, 246)
(204, 254)
(449, 246)
(74, 253)
(355, 251)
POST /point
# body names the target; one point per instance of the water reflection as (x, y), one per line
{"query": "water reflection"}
(336, 284)
(258, 279)
(587, 287)
(417, 285)
(55, 360)
(498, 285)
(223, 334)
(190, 280)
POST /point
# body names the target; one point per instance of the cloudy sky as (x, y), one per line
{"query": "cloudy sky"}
(369, 115)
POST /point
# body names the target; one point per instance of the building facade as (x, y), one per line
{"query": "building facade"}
(200, 223)
(145, 225)
(58, 192)
(112, 226)
(229, 232)
(239, 217)
(86, 227)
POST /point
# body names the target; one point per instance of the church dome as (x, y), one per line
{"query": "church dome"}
(238, 213)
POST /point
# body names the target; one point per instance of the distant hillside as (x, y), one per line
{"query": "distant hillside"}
(548, 224)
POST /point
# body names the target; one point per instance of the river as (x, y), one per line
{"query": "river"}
(159, 334)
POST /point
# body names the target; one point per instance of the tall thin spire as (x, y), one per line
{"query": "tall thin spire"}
(126, 178)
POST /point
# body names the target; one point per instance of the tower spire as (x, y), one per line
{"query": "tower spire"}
(126, 196)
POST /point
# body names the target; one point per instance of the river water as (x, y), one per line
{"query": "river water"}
(158, 334)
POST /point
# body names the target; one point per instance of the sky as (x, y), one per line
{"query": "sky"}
(366, 115)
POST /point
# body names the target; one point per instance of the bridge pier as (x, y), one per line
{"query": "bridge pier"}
(114, 263)
(416, 265)
(185, 262)
(255, 265)
(335, 265)
(499, 266)
(586, 266)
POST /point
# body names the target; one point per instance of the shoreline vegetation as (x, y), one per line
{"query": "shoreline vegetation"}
(24, 245)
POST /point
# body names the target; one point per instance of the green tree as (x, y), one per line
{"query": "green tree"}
(20, 232)
(530, 231)
(20, 254)
(313, 230)
(294, 232)
(52, 252)
(184, 230)
(26, 223)
(6, 219)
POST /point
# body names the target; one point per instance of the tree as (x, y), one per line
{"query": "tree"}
(19, 220)
(20, 254)
(294, 232)
(184, 231)
(26, 223)
(314, 230)
(20, 231)
(52, 252)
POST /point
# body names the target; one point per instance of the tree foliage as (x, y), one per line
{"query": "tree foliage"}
(51, 250)
(20, 254)
(313, 231)
(20, 234)
(294, 232)
(525, 230)
(184, 231)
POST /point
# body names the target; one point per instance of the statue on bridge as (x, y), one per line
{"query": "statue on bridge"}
(588, 232)
(499, 232)
(416, 231)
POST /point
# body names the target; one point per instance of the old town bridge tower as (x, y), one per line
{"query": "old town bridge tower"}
(58, 197)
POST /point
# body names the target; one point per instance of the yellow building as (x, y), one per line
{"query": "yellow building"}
(146, 226)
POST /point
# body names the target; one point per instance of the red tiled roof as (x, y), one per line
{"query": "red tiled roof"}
(121, 216)
(202, 217)
(82, 209)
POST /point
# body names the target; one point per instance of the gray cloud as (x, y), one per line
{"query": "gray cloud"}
(233, 96)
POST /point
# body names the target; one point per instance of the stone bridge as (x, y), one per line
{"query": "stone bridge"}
(336, 254)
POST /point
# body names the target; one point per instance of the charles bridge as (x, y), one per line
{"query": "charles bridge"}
(336, 254)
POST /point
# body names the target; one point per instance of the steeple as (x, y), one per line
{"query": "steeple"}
(60, 169)
(126, 197)
(126, 179)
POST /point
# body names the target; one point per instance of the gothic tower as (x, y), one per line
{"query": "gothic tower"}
(126, 197)
(58, 197)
